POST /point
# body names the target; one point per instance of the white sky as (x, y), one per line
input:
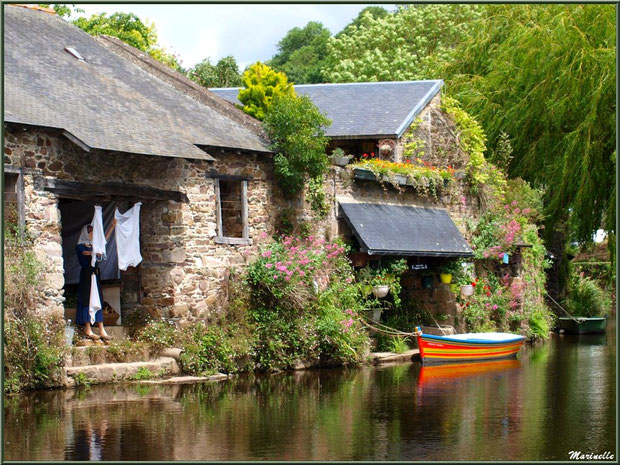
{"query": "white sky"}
(248, 32)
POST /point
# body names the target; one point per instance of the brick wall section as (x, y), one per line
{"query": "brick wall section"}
(184, 272)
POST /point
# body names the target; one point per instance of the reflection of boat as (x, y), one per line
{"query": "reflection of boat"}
(468, 347)
(449, 371)
(580, 325)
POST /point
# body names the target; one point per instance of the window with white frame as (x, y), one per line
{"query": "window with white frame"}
(231, 209)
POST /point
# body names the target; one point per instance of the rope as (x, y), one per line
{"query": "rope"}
(389, 331)
(562, 308)
(434, 321)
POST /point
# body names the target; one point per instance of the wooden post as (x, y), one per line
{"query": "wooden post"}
(218, 209)
(244, 209)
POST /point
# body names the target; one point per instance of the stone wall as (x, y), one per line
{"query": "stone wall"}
(184, 271)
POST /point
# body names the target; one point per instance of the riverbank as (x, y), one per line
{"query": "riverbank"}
(166, 368)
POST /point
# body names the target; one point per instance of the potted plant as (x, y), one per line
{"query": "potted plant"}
(427, 282)
(339, 158)
(449, 271)
(466, 279)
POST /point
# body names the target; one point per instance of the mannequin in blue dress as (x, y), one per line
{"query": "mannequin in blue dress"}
(84, 252)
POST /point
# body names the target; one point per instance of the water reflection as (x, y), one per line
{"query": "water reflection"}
(558, 397)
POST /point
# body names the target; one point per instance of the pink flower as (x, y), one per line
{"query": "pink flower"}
(268, 265)
(275, 276)
(263, 235)
(287, 278)
(267, 253)
(494, 307)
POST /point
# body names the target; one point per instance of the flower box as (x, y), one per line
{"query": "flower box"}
(364, 174)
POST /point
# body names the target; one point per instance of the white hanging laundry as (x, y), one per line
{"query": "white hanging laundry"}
(128, 237)
(98, 241)
(94, 304)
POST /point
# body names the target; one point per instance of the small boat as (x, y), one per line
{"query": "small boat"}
(468, 347)
(580, 325)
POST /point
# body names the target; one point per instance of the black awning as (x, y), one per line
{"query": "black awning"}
(405, 231)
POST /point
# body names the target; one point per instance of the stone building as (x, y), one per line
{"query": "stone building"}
(393, 121)
(92, 121)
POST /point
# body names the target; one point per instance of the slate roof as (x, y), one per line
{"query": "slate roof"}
(106, 101)
(364, 109)
(405, 231)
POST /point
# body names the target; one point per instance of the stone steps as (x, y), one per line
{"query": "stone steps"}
(160, 367)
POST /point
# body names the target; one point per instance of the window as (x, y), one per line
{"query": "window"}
(231, 210)
(14, 197)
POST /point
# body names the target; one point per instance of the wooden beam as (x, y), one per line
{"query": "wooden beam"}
(107, 191)
(213, 174)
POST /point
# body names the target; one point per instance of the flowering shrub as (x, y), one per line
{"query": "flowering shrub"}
(499, 231)
(304, 305)
(422, 175)
(291, 271)
(508, 223)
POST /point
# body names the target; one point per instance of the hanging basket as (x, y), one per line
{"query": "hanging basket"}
(380, 291)
(467, 290)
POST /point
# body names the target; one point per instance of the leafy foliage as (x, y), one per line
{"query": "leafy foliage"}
(397, 46)
(34, 344)
(261, 86)
(130, 29)
(296, 128)
(225, 73)
(301, 53)
(62, 9)
(302, 305)
(586, 298)
(545, 75)
(126, 26)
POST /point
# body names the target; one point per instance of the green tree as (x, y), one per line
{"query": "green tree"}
(374, 12)
(131, 30)
(126, 26)
(62, 9)
(545, 76)
(225, 73)
(397, 46)
(296, 128)
(261, 85)
(301, 53)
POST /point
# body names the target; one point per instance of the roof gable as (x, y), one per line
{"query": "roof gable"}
(106, 102)
(364, 109)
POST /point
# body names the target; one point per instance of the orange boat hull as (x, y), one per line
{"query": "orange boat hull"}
(434, 349)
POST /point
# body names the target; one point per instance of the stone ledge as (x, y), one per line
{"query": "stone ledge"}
(117, 372)
(380, 358)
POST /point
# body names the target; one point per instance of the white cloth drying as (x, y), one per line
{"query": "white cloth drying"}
(98, 241)
(94, 304)
(128, 237)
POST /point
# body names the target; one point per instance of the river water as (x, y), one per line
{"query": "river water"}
(556, 398)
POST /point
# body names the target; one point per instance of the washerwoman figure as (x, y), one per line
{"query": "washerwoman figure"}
(84, 252)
